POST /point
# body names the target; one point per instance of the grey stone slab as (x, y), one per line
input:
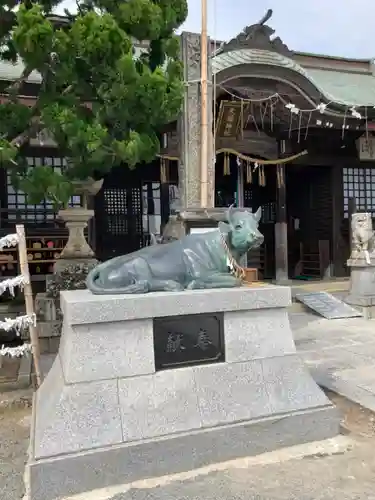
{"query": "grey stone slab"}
(366, 349)
(69, 475)
(299, 320)
(314, 345)
(342, 359)
(363, 337)
(82, 307)
(257, 334)
(337, 359)
(158, 405)
(347, 388)
(363, 377)
(338, 329)
(107, 351)
(231, 392)
(74, 418)
(290, 385)
(327, 305)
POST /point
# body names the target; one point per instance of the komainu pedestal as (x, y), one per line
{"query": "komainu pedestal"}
(160, 383)
(362, 265)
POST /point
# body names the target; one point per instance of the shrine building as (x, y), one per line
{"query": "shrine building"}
(311, 116)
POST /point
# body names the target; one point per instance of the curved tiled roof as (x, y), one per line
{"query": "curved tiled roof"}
(343, 88)
(9, 71)
(340, 87)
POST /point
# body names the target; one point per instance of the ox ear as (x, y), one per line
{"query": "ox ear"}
(258, 214)
(224, 227)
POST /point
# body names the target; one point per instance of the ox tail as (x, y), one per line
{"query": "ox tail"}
(96, 287)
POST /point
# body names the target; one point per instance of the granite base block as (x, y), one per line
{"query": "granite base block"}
(362, 287)
(105, 416)
(56, 478)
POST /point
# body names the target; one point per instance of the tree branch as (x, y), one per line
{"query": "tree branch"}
(33, 129)
(35, 126)
(15, 87)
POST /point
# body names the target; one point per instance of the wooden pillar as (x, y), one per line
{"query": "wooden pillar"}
(352, 209)
(281, 225)
(337, 216)
(241, 201)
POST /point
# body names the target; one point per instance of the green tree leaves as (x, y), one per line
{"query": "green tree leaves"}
(103, 104)
(33, 36)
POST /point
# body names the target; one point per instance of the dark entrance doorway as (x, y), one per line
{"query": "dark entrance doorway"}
(309, 211)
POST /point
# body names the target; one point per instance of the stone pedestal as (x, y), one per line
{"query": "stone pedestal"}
(362, 285)
(69, 273)
(108, 414)
(362, 265)
(180, 223)
(76, 220)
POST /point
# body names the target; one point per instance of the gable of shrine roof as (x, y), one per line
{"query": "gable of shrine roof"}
(257, 36)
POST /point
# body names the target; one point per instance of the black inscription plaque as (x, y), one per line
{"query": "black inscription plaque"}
(188, 340)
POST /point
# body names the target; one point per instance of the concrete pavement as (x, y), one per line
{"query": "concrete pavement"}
(340, 354)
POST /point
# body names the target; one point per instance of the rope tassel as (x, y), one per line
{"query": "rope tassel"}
(261, 176)
(249, 173)
(226, 164)
(163, 171)
(280, 176)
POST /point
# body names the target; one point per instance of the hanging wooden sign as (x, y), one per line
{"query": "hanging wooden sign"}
(230, 119)
(366, 148)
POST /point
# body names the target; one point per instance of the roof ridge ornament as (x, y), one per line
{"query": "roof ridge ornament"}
(257, 36)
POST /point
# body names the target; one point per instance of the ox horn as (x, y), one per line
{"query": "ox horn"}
(229, 213)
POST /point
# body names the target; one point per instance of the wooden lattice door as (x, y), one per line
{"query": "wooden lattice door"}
(118, 221)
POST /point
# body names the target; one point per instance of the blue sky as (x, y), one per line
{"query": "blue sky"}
(333, 27)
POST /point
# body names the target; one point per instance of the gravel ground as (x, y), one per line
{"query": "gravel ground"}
(14, 440)
(348, 476)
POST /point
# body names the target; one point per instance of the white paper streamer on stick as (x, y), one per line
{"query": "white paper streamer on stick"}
(11, 283)
(29, 320)
(20, 323)
(15, 352)
(10, 240)
(29, 302)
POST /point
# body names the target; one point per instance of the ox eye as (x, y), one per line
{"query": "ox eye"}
(238, 226)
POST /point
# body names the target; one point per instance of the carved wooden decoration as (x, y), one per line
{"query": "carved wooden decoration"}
(257, 36)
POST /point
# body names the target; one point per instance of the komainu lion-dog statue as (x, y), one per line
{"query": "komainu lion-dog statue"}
(196, 261)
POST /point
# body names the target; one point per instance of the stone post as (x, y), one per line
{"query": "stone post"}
(189, 129)
(362, 265)
(189, 123)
